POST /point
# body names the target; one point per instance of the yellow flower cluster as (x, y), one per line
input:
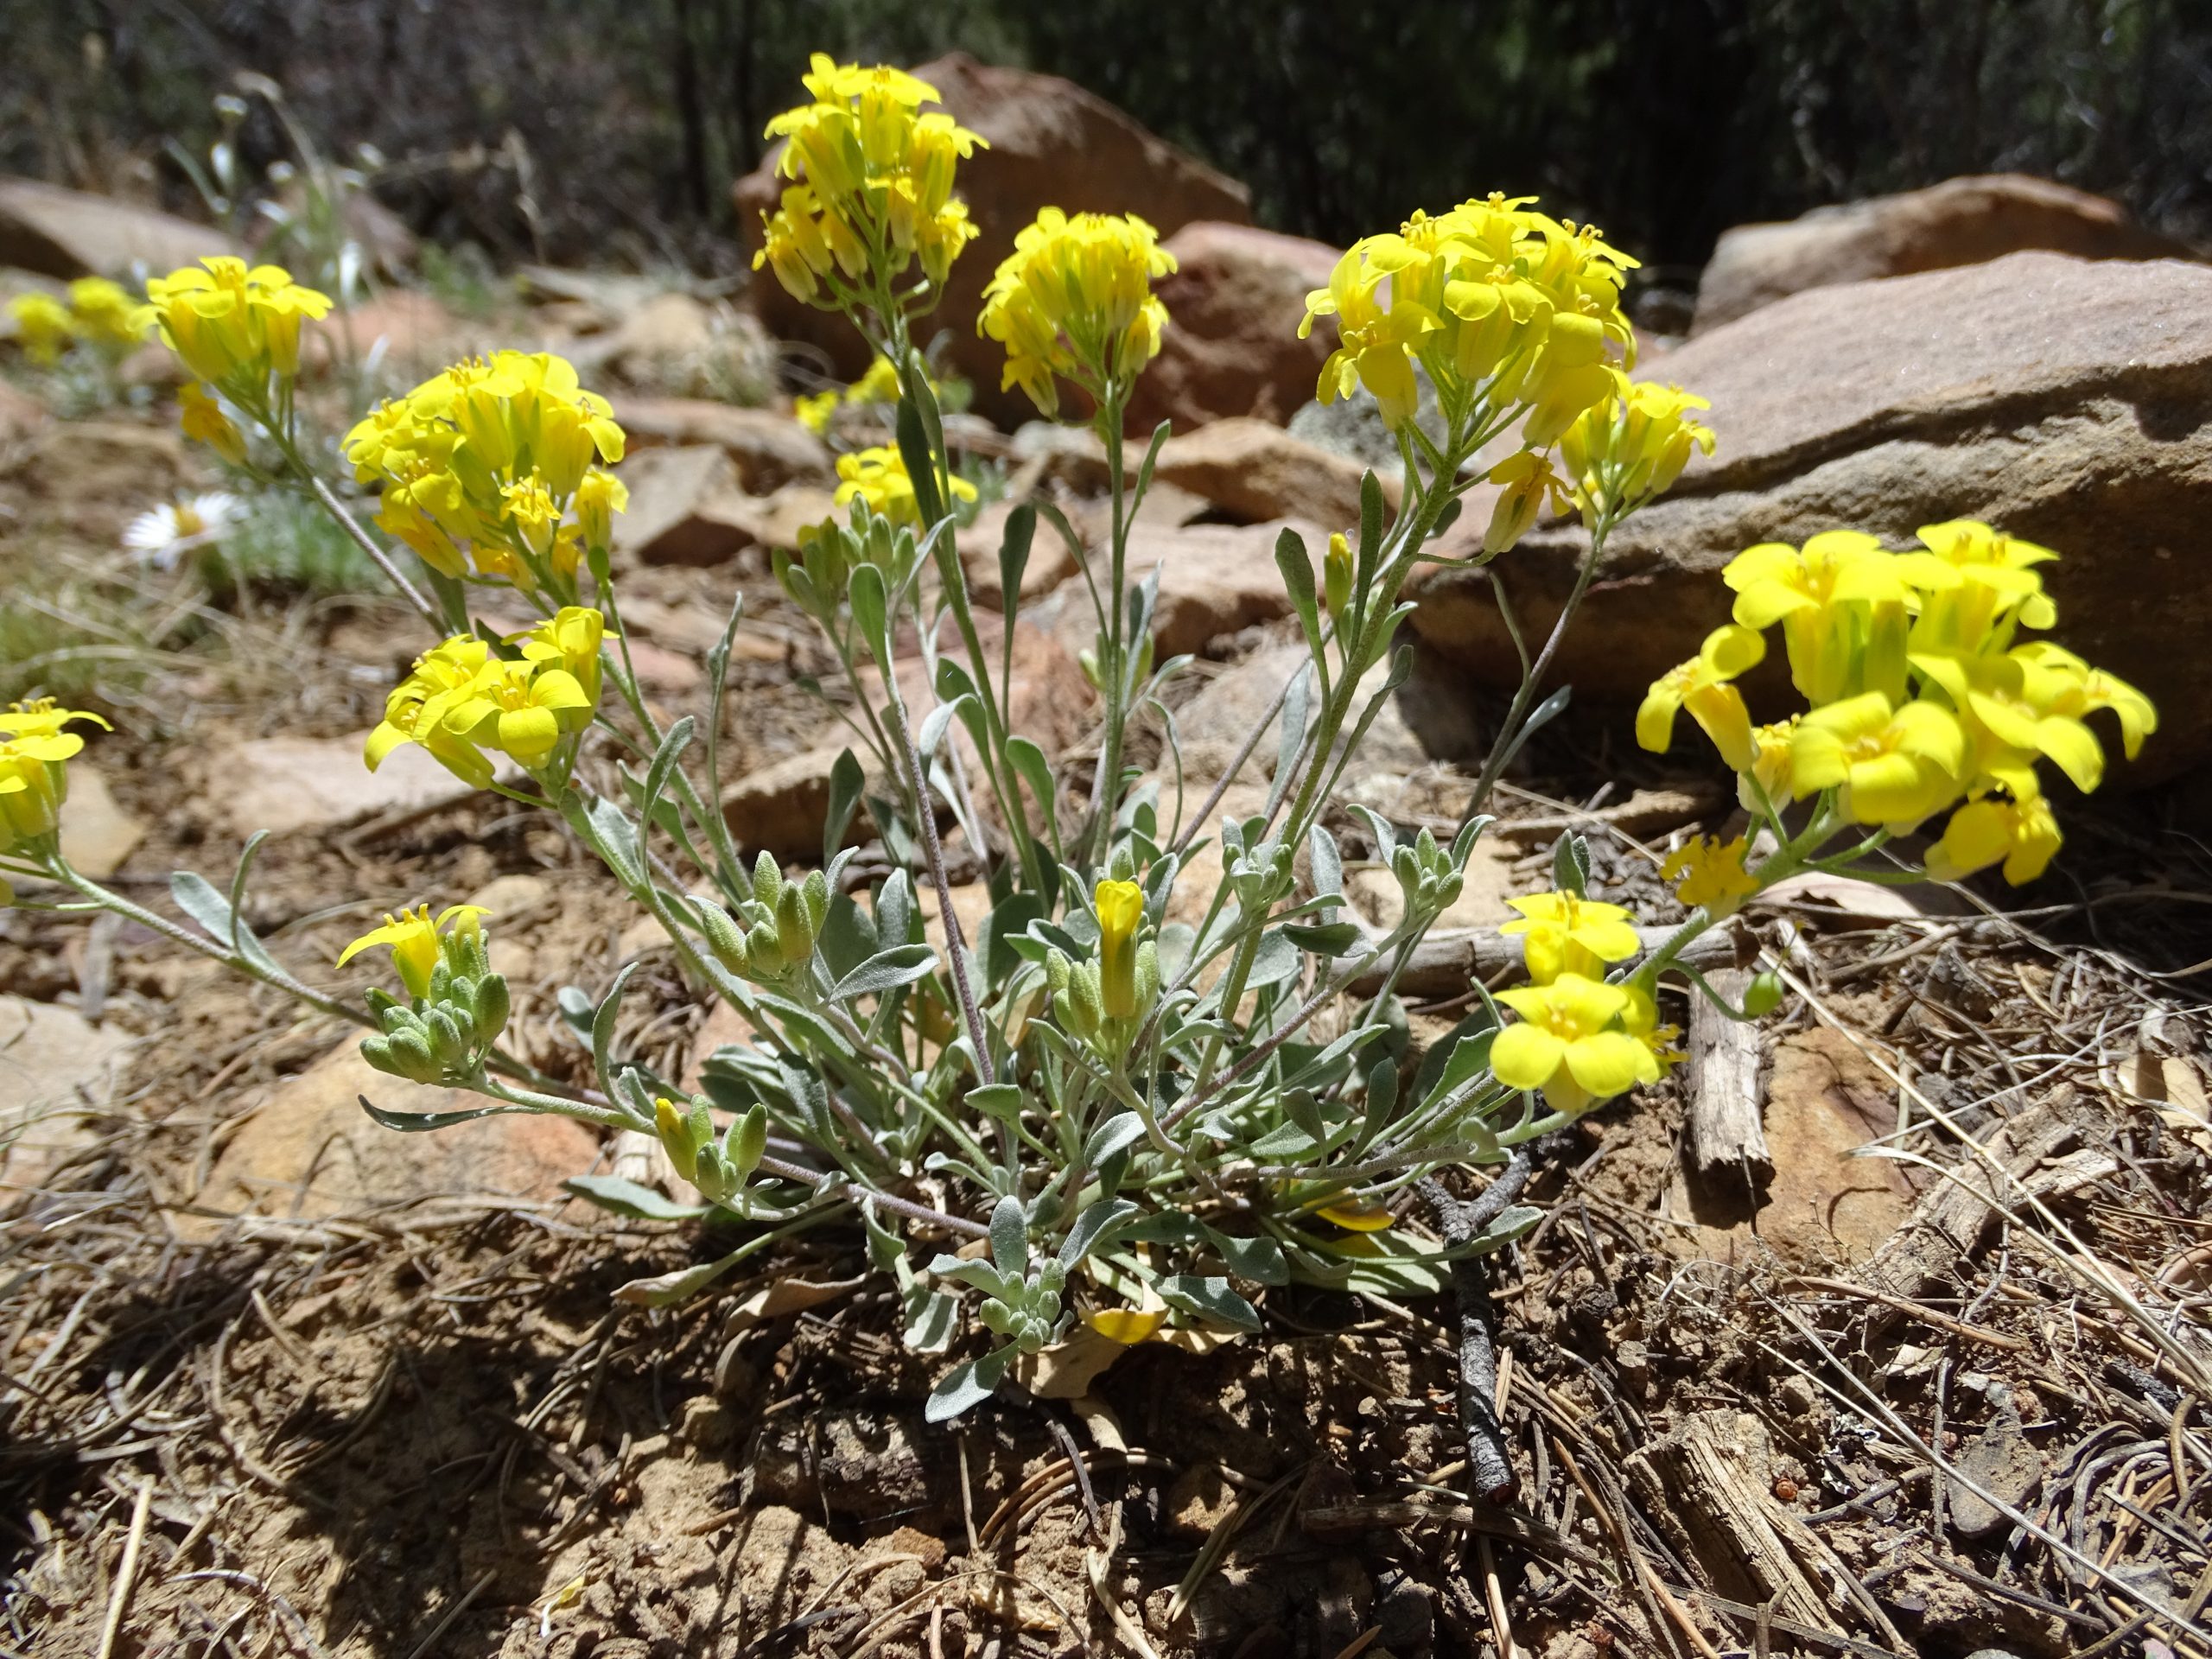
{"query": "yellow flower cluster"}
(462, 700)
(871, 186)
(236, 328)
(35, 747)
(1493, 300)
(1922, 697)
(414, 941)
(1578, 1039)
(1074, 299)
(1618, 454)
(879, 476)
(493, 464)
(98, 311)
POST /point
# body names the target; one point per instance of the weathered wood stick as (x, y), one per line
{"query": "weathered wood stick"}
(1445, 962)
(1724, 1131)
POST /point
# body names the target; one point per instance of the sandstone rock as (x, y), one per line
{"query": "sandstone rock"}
(664, 672)
(1047, 452)
(1964, 221)
(1259, 471)
(768, 449)
(674, 515)
(776, 521)
(508, 897)
(57, 1077)
(96, 834)
(287, 783)
(311, 1152)
(1050, 143)
(1231, 346)
(417, 334)
(2060, 400)
(783, 806)
(1214, 579)
(114, 468)
(1213, 725)
(1050, 563)
(1825, 1209)
(62, 233)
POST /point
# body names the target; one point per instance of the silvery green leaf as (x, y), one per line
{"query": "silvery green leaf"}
(932, 1316)
(1386, 836)
(618, 839)
(1571, 864)
(848, 935)
(1000, 1101)
(1381, 1101)
(902, 965)
(664, 758)
(1010, 1238)
(1210, 1296)
(982, 1274)
(1328, 864)
(967, 1386)
(1276, 962)
(846, 781)
(1258, 1260)
(612, 1193)
(1292, 740)
(934, 721)
(603, 1025)
(1115, 1134)
(1013, 560)
(1094, 1228)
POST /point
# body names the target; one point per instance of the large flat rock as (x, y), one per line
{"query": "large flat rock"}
(57, 1078)
(288, 783)
(62, 233)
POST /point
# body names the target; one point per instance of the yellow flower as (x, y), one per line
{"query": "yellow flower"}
(878, 476)
(1842, 604)
(490, 457)
(2020, 833)
(1979, 585)
(1621, 452)
(1571, 935)
(521, 709)
(570, 639)
(33, 782)
(1701, 685)
(1770, 771)
(44, 720)
(1126, 1325)
(1494, 300)
(1120, 906)
(1570, 1043)
(43, 325)
(1074, 300)
(871, 191)
(1896, 766)
(105, 313)
(1640, 1020)
(599, 497)
(879, 383)
(1336, 572)
(814, 412)
(415, 712)
(414, 938)
(234, 327)
(204, 421)
(1529, 482)
(1712, 873)
(2065, 685)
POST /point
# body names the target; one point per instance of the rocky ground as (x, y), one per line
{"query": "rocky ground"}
(1884, 1334)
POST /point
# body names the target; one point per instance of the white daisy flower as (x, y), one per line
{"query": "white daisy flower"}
(162, 535)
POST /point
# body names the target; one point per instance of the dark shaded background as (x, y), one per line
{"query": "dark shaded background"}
(598, 131)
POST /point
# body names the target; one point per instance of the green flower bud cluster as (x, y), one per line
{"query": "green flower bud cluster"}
(444, 1035)
(719, 1168)
(783, 919)
(1428, 876)
(829, 552)
(1087, 659)
(1024, 1302)
(1261, 872)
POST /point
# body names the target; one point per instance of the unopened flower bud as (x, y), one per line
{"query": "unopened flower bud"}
(492, 1006)
(723, 938)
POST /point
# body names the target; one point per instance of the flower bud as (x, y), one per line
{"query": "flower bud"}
(745, 1142)
(816, 891)
(722, 936)
(675, 1137)
(1336, 574)
(767, 879)
(410, 1056)
(712, 1176)
(491, 1005)
(794, 927)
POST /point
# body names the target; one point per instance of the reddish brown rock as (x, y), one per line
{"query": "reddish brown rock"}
(2060, 400)
(1215, 580)
(768, 448)
(60, 232)
(1258, 471)
(311, 1152)
(1052, 144)
(1964, 221)
(1232, 347)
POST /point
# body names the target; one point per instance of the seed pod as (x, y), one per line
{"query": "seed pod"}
(1763, 996)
